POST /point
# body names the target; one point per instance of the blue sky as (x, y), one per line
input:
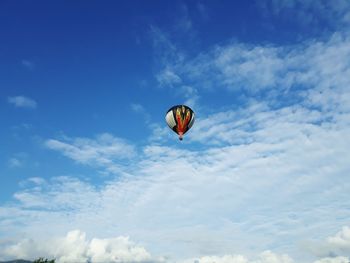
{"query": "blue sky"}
(91, 172)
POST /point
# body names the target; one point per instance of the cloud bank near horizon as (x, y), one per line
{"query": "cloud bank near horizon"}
(76, 247)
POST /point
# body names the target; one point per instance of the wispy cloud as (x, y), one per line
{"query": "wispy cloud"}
(164, 48)
(22, 102)
(139, 109)
(320, 15)
(18, 159)
(14, 162)
(268, 68)
(104, 151)
(168, 78)
(203, 11)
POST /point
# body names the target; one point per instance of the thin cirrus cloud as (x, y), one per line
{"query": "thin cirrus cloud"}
(104, 151)
(314, 66)
(330, 14)
(140, 109)
(22, 102)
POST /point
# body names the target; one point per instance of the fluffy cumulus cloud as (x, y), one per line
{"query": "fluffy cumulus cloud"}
(22, 102)
(75, 247)
(337, 245)
(341, 239)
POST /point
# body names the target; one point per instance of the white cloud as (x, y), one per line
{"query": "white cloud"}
(218, 259)
(281, 72)
(320, 15)
(191, 96)
(311, 72)
(139, 109)
(341, 239)
(22, 102)
(164, 49)
(63, 193)
(36, 180)
(270, 184)
(75, 248)
(167, 54)
(333, 260)
(168, 78)
(265, 257)
(104, 151)
(337, 245)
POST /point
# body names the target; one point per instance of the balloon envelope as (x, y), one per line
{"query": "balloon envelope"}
(180, 119)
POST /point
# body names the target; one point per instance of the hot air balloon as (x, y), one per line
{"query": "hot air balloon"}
(180, 119)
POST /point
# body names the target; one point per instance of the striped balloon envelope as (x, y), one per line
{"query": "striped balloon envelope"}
(180, 119)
